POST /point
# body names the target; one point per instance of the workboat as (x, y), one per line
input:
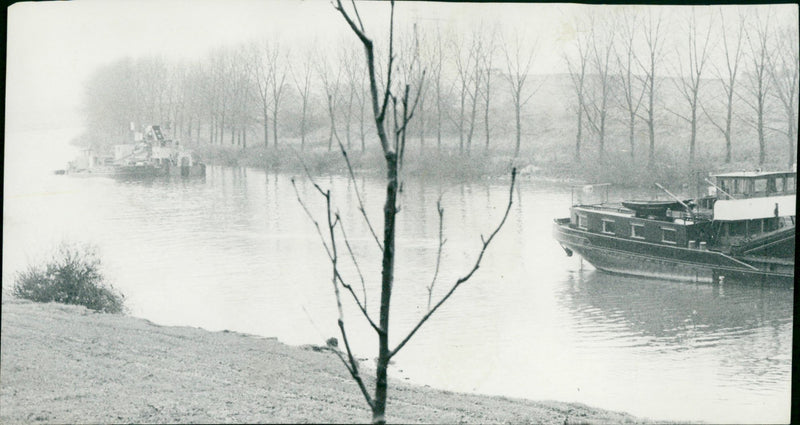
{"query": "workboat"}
(150, 155)
(744, 230)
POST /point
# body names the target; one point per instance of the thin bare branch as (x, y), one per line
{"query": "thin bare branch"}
(353, 368)
(358, 16)
(358, 194)
(466, 277)
(308, 213)
(438, 251)
(677, 114)
(358, 31)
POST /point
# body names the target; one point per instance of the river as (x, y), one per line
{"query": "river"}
(236, 251)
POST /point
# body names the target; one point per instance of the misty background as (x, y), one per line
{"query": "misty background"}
(232, 79)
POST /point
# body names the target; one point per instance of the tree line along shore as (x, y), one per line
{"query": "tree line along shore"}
(649, 92)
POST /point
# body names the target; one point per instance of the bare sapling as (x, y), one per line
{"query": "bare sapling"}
(393, 106)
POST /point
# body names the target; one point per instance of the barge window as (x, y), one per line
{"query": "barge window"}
(582, 221)
(608, 226)
(790, 184)
(637, 231)
(760, 185)
(669, 235)
(779, 184)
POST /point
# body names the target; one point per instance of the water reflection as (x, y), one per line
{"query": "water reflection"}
(237, 252)
(743, 327)
(670, 312)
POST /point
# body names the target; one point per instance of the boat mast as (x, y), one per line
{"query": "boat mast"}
(688, 210)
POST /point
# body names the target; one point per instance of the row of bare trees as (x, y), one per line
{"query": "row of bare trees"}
(233, 92)
(723, 70)
(641, 74)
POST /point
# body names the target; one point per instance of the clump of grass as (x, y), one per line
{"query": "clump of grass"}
(72, 275)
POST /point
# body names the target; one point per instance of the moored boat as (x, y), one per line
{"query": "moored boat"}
(151, 155)
(744, 230)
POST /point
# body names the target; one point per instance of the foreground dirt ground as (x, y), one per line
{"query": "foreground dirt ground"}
(66, 364)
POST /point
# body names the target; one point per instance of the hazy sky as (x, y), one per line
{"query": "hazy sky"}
(54, 46)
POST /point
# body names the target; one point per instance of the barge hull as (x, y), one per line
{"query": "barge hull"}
(648, 260)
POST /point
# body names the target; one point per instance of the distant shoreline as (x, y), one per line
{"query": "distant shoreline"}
(450, 164)
(63, 364)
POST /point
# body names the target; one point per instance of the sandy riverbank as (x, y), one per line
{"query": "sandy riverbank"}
(66, 364)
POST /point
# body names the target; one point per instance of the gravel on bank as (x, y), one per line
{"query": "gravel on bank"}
(66, 364)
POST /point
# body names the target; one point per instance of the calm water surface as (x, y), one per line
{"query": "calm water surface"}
(237, 252)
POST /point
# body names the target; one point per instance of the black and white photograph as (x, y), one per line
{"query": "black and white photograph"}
(341, 211)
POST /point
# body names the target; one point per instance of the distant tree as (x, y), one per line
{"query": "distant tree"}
(463, 59)
(596, 104)
(732, 50)
(362, 95)
(630, 96)
(477, 49)
(436, 56)
(758, 85)
(261, 75)
(689, 80)
(331, 85)
(350, 60)
(487, 59)
(220, 70)
(518, 65)
(648, 65)
(277, 82)
(105, 103)
(783, 70)
(240, 83)
(577, 73)
(301, 75)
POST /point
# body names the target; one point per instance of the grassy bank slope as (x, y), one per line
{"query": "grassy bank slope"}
(65, 364)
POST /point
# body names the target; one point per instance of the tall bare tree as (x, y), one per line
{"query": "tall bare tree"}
(463, 59)
(758, 85)
(348, 57)
(277, 82)
(401, 101)
(577, 73)
(596, 104)
(649, 64)
(331, 84)
(518, 65)
(631, 95)
(690, 77)
(260, 72)
(221, 70)
(476, 53)
(239, 79)
(732, 51)
(435, 63)
(487, 59)
(783, 71)
(301, 75)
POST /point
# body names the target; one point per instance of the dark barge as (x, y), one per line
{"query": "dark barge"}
(744, 231)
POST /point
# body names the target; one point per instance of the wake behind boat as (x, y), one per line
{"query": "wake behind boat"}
(744, 230)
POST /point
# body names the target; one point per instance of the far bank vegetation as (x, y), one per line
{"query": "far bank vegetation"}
(646, 96)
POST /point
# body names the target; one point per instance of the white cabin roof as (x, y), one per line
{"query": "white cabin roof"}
(754, 208)
(753, 174)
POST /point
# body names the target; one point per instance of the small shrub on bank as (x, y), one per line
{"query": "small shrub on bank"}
(71, 276)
